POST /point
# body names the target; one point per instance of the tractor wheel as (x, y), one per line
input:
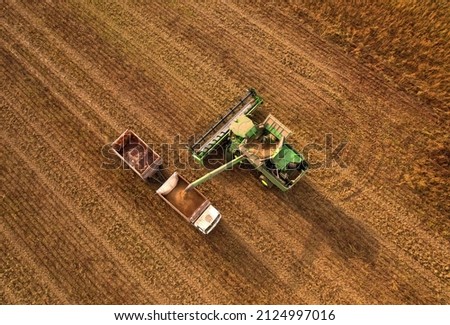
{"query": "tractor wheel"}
(265, 181)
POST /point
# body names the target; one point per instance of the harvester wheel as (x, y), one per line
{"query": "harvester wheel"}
(265, 181)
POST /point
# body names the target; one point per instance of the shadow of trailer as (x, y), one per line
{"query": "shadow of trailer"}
(193, 206)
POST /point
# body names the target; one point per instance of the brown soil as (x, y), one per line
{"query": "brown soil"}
(76, 75)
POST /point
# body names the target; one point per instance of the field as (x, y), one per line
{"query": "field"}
(371, 227)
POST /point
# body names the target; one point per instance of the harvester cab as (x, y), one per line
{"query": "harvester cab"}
(263, 145)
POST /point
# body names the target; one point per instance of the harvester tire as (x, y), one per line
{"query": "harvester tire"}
(265, 181)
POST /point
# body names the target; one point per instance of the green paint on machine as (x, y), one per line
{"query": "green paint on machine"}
(262, 145)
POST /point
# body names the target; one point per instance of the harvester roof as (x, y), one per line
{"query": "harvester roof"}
(243, 127)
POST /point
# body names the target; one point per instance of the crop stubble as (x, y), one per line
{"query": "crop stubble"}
(78, 74)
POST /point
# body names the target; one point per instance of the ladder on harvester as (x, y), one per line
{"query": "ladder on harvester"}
(219, 131)
(276, 127)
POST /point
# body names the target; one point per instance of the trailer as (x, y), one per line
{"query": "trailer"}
(137, 155)
(193, 206)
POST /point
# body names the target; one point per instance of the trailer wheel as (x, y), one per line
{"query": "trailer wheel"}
(265, 181)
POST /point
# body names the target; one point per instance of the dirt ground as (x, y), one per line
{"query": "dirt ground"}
(76, 75)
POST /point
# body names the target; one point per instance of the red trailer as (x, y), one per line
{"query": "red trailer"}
(192, 205)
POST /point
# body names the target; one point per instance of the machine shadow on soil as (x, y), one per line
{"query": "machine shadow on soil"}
(232, 249)
(345, 235)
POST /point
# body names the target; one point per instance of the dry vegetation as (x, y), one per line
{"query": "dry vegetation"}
(407, 43)
(75, 74)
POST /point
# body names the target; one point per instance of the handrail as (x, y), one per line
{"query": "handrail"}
(251, 92)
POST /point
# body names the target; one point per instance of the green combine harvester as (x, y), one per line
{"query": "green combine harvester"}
(263, 145)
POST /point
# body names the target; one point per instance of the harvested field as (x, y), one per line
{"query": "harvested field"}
(371, 229)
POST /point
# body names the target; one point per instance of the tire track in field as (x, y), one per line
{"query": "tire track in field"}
(18, 264)
(60, 137)
(38, 156)
(329, 63)
(136, 49)
(426, 273)
(114, 121)
(382, 270)
(21, 42)
(69, 164)
(99, 79)
(291, 228)
(162, 98)
(48, 246)
(246, 20)
(93, 247)
(348, 265)
(279, 240)
(171, 50)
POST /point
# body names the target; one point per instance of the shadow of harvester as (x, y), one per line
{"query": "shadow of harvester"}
(346, 236)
